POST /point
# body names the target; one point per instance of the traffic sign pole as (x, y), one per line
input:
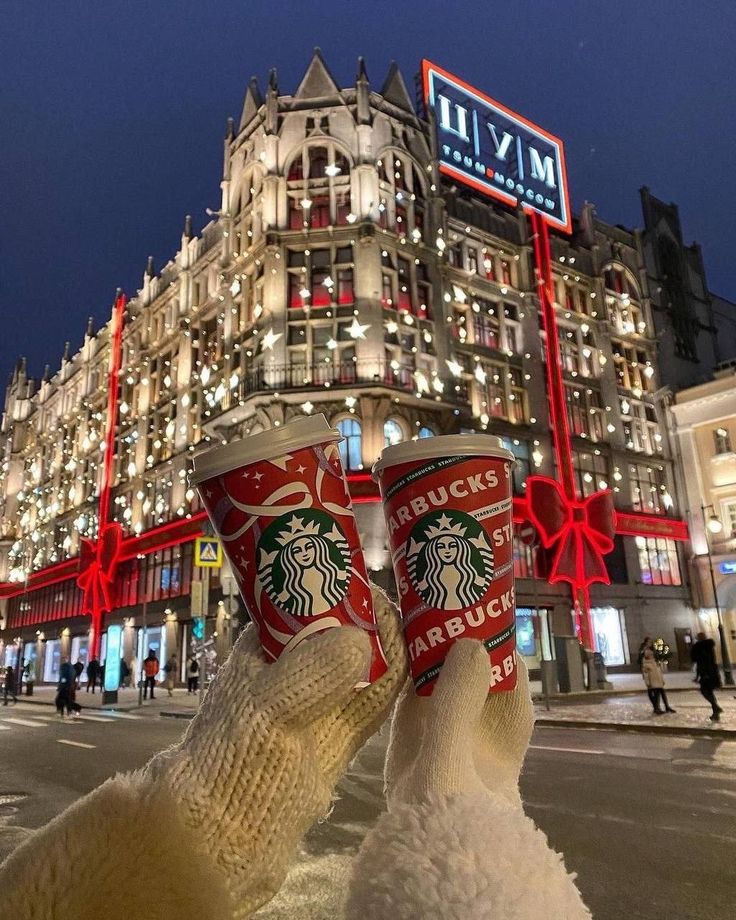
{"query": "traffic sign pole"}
(202, 646)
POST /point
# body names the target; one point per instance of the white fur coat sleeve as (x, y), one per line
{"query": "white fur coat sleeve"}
(461, 857)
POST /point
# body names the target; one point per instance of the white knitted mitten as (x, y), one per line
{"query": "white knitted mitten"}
(260, 761)
(455, 843)
(459, 739)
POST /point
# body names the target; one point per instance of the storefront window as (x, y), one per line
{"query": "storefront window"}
(532, 635)
(658, 561)
(80, 652)
(52, 661)
(610, 634)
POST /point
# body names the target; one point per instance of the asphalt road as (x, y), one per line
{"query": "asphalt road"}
(647, 822)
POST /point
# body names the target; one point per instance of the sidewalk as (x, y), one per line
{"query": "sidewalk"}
(627, 683)
(633, 712)
(180, 705)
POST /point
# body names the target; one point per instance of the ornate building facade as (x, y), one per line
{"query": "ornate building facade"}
(341, 275)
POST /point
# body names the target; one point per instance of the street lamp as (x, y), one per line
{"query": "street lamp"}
(714, 525)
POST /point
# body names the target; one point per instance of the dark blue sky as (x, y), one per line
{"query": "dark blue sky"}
(112, 116)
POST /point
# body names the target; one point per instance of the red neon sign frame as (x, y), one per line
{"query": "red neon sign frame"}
(485, 188)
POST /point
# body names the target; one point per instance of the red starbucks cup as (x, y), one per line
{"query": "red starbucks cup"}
(448, 508)
(280, 504)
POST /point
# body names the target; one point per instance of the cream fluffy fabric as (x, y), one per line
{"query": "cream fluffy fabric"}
(465, 857)
(121, 853)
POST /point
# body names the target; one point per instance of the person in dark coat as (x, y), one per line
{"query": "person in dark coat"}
(65, 688)
(703, 654)
(93, 674)
(78, 671)
(9, 685)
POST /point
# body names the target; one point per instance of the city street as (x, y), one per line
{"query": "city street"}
(646, 821)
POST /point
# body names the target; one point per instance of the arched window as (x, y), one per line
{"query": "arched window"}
(318, 161)
(393, 433)
(351, 452)
(425, 432)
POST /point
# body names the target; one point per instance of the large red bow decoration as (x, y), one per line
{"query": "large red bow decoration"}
(98, 562)
(581, 530)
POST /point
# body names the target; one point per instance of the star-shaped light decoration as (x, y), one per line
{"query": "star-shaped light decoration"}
(454, 368)
(307, 407)
(270, 339)
(356, 330)
(480, 374)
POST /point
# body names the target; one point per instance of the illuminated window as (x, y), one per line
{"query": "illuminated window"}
(658, 561)
(318, 182)
(641, 428)
(393, 433)
(649, 489)
(728, 515)
(351, 447)
(320, 277)
(585, 412)
(623, 301)
(401, 196)
(591, 471)
(522, 467)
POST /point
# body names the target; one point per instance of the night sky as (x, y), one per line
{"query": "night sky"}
(112, 116)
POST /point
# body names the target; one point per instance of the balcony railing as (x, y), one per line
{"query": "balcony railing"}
(322, 375)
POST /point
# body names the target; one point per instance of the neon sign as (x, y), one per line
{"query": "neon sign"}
(485, 145)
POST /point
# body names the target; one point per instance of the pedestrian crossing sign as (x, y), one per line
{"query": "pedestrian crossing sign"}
(208, 553)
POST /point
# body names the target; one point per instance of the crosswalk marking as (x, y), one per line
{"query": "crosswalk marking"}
(76, 743)
(566, 750)
(24, 722)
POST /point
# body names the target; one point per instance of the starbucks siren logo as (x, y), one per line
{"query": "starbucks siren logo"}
(304, 562)
(450, 560)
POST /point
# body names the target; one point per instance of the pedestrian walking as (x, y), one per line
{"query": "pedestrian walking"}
(654, 680)
(170, 672)
(93, 675)
(703, 654)
(645, 644)
(30, 676)
(192, 675)
(9, 685)
(150, 669)
(78, 671)
(65, 688)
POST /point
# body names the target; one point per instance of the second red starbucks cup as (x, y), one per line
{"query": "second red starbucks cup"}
(448, 507)
(280, 504)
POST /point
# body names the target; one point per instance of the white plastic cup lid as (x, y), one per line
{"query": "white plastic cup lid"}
(302, 432)
(447, 445)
